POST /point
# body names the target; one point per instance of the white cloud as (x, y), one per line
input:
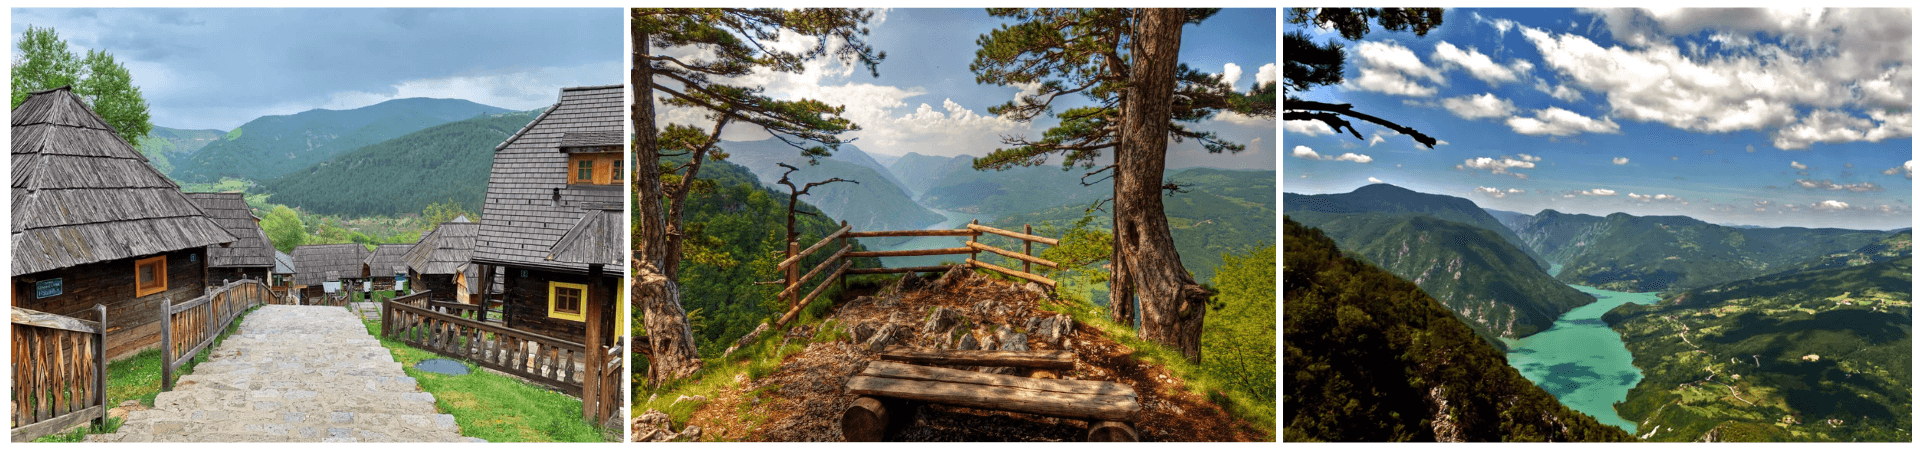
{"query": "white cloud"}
(1906, 168)
(1363, 159)
(1833, 126)
(1620, 161)
(1268, 73)
(1302, 152)
(1308, 127)
(1561, 92)
(1797, 165)
(1490, 192)
(1597, 192)
(1561, 122)
(1230, 75)
(1483, 106)
(1500, 166)
(1867, 186)
(1475, 63)
(1649, 198)
(1830, 205)
(1374, 180)
(1389, 68)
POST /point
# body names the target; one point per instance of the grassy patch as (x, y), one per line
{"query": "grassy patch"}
(138, 378)
(755, 361)
(497, 407)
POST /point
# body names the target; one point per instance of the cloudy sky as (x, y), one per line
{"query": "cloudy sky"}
(1761, 117)
(219, 68)
(925, 99)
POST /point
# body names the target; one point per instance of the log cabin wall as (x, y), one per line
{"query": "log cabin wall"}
(215, 275)
(133, 323)
(526, 302)
(439, 287)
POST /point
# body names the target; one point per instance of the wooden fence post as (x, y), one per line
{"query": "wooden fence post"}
(793, 271)
(166, 344)
(1027, 249)
(974, 239)
(843, 246)
(100, 367)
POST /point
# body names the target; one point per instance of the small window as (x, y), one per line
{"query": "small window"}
(583, 171)
(619, 169)
(150, 276)
(564, 301)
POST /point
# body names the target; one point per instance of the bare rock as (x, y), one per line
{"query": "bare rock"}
(941, 320)
(882, 337)
(1014, 343)
(967, 342)
(906, 283)
(861, 331)
(954, 277)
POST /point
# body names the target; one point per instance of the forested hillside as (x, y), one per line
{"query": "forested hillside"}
(272, 146)
(404, 174)
(876, 203)
(1222, 212)
(163, 144)
(1020, 189)
(918, 172)
(1387, 198)
(1370, 357)
(1629, 253)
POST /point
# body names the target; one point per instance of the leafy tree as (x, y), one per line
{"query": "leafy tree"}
(1239, 339)
(443, 212)
(732, 42)
(44, 62)
(1124, 64)
(284, 228)
(1310, 64)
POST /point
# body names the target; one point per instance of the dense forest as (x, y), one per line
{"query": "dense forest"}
(1218, 212)
(1370, 357)
(272, 146)
(1623, 252)
(405, 174)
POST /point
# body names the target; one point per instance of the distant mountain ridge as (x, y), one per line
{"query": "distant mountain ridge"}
(272, 146)
(405, 174)
(1223, 211)
(1383, 197)
(876, 203)
(163, 144)
(1623, 252)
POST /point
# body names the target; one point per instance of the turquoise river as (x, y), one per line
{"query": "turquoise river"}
(1580, 360)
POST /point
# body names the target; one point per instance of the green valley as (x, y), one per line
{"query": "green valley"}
(272, 146)
(1630, 253)
(404, 174)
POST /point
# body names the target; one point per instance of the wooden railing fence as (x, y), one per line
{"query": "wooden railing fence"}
(794, 280)
(59, 372)
(543, 359)
(465, 311)
(188, 327)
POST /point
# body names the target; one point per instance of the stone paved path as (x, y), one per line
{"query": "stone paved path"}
(294, 374)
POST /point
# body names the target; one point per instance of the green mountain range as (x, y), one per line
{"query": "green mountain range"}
(1369, 357)
(1623, 252)
(272, 146)
(919, 172)
(404, 174)
(1223, 211)
(955, 186)
(876, 203)
(1823, 354)
(1387, 198)
(162, 144)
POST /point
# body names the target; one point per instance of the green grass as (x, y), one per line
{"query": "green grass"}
(138, 378)
(376, 296)
(496, 407)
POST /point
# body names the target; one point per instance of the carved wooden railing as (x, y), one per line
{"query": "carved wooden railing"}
(543, 359)
(794, 280)
(59, 372)
(188, 327)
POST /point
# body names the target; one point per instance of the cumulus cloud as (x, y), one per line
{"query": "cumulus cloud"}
(1497, 192)
(1483, 106)
(1829, 185)
(1562, 92)
(1620, 161)
(1797, 165)
(1303, 152)
(1267, 74)
(1387, 67)
(1502, 165)
(1560, 122)
(1230, 75)
(1475, 63)
(1906, 168)
(1597, 192)
(1653, 197)
(1825, 75)
(1363, 159)
(1374, 180)
(1308, 127)
(1830, 205)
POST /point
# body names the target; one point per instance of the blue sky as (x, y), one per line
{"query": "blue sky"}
(925, 99)
(1761, 117)
(218, 68)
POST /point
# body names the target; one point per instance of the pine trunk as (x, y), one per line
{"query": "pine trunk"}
(669, 336)
(657, 296)
(1172, 305)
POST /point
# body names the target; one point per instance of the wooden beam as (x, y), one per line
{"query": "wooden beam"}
(1056, 359)
(1014, 273)
(911, 233)
(899, 270)
(795, 259)
(1102, 407)
(922, 252)
(802, 304)
(885, 369)
(795, 285)
(1012, 234)
(23, 316)
(864, 421)
(1111, 431)
(28, 433)
(1009, 254)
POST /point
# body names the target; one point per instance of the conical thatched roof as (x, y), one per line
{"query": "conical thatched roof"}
(315, 261)
(443, 250)
(529, 204)
(229, 209)
(82, 195)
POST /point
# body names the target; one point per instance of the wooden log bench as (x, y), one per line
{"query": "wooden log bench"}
(887, 386)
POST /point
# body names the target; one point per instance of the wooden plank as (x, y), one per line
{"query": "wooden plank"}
(28, 317)
(1103, 407)
(911, 233)
(1010, 254)
(27, 433)
(795, 259)
(795, 285)
(795, 312)
(1014, 273)
(424, 313)
(922, 252)
(899, 270)
(886, 369)
(1012, 234)
(1056, 359)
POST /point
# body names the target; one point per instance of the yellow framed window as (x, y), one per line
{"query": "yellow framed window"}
(566, 301)
(150, 276)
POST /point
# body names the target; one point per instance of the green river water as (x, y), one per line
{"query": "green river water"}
(1580, 360)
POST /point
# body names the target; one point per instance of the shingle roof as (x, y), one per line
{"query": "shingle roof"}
(229, 209)
(385, 258)
(443, 250)
(589, 139)
(597, 238)
(81, 194)
(283, 262)
(315, 261)
(529, 203)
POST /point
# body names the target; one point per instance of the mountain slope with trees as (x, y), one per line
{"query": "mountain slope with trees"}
(1623, 252)
(272, 146)
(1387, 198)
(876, 203)
(1219, 212)
(163, 144)
(404, 174)
(1370, 357)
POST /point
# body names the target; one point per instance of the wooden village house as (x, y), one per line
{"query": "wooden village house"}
(328, 268)
(384, 267)
(93, 223)
(283, 270)
(434, 265)
(250, 257)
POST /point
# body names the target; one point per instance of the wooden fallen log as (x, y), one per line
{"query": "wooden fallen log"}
(1058, 404)
(1110, 431)
(1056, 359)
(884, 369)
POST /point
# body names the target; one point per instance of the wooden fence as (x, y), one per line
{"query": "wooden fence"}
(543, 359)
(188, 327)
(476, 313)
(794, 280)
(59, 372)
